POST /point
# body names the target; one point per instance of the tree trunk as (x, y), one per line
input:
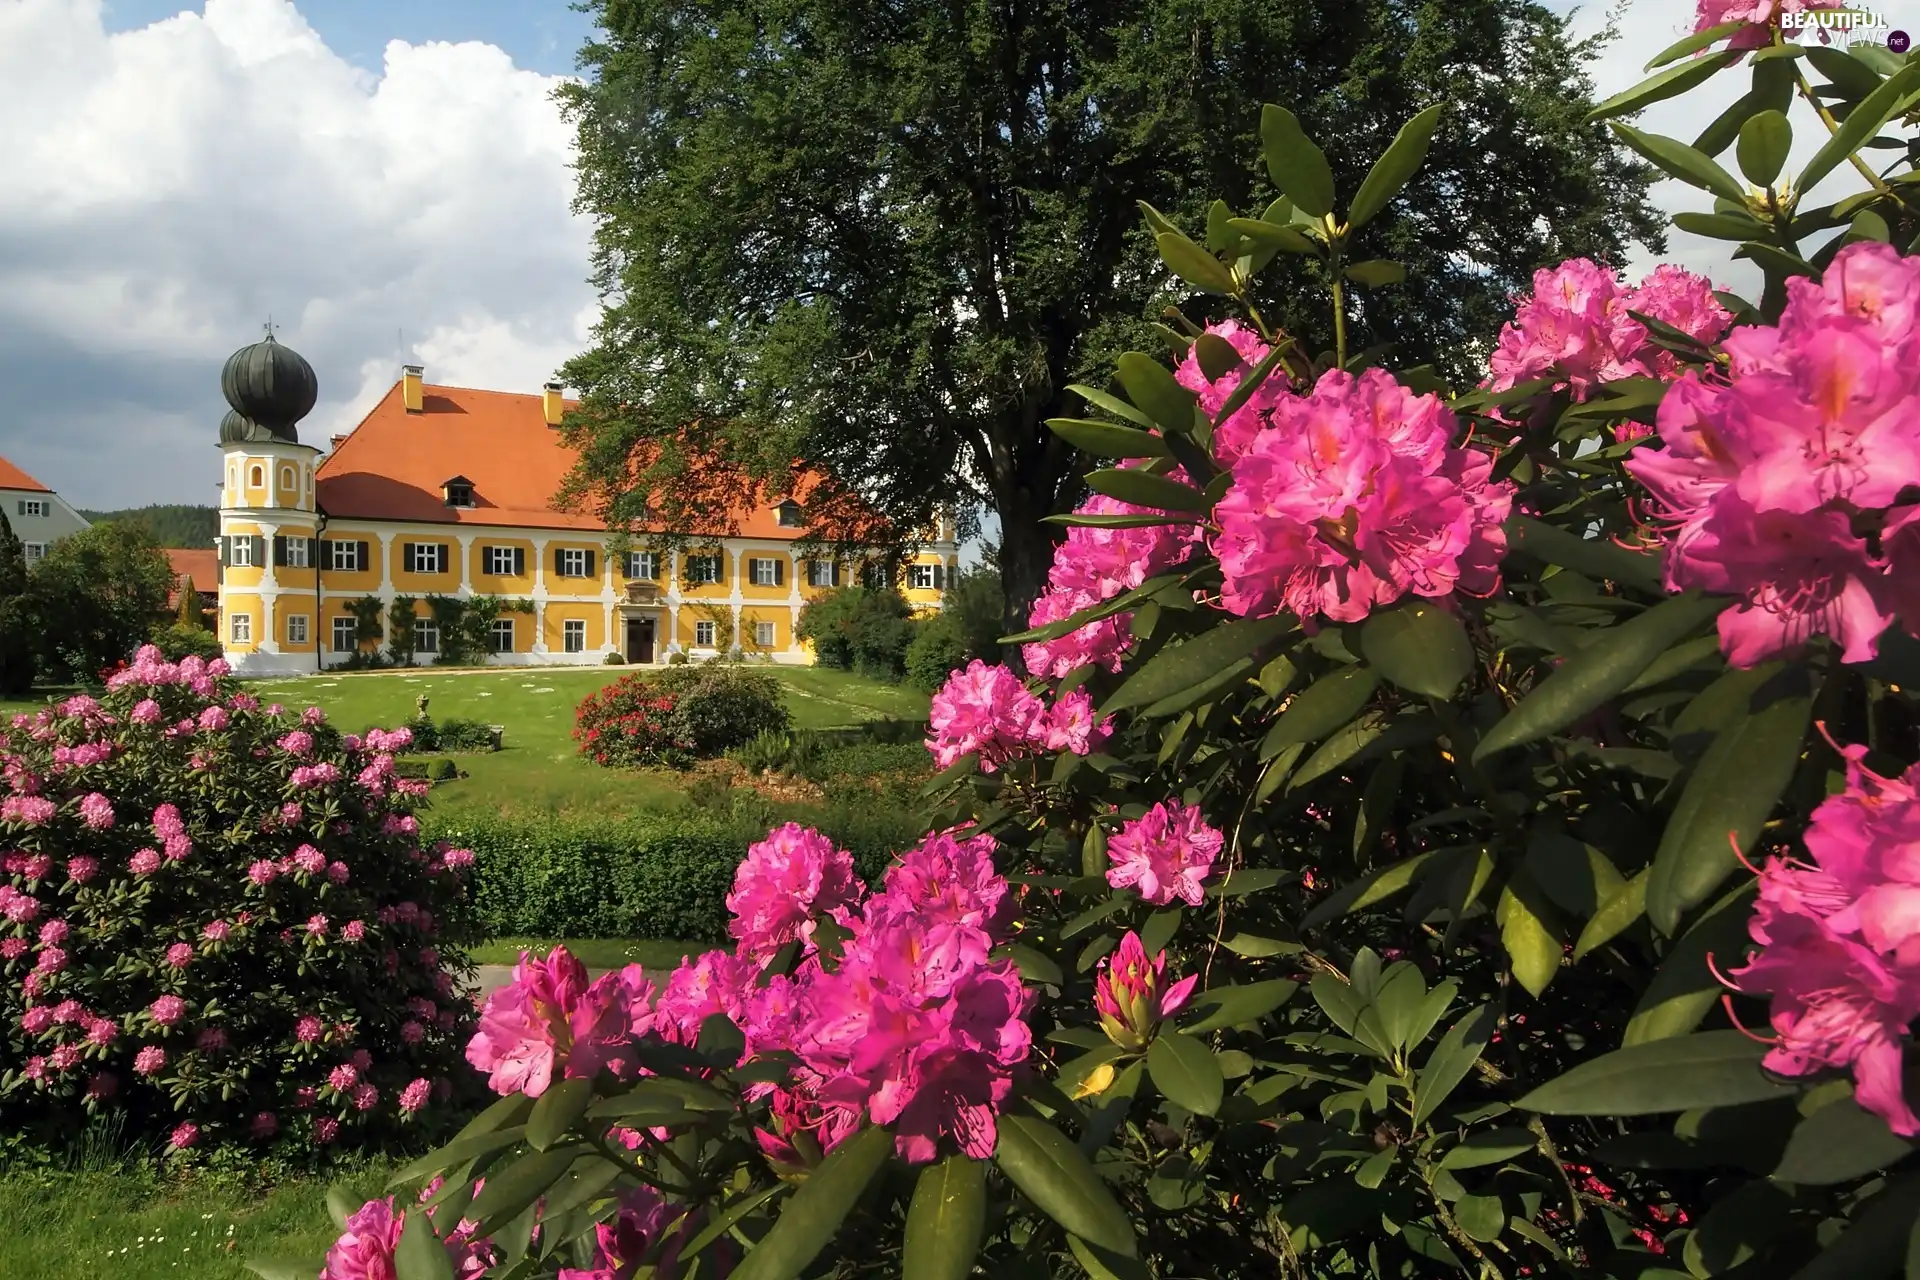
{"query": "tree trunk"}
(1026, 553)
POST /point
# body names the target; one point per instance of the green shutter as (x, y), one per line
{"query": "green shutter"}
(780, 571)
(519, 561)
(361, 559)
(590, 564)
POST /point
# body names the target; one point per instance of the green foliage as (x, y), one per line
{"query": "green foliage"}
(176, 640)
(169, 524)
(939, 646)
(451, 734)
(975, 600)
(192, 613)
(859, 629)
(402, 625)
(19, 657)
(94, 598)
(679, 715)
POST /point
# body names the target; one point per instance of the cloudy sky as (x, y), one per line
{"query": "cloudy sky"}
(380, 176)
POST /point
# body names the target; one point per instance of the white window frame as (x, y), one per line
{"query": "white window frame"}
(573, 562)
(696, 566)
(35, 507)
(819, 573)
(920, 577)
(346, 557)
(426, 636)
(498, 562)
(420, 554)
(240, 553)
(646, 562)
(765, 635)
(296, 628)
(240, 628)
(781, 512)
(296, 553)
(705, 635)
(763, 571)
(573, 635)
(349, 630)
(33, 552)
(499, 628)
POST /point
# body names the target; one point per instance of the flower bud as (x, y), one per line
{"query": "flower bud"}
(1132, 997)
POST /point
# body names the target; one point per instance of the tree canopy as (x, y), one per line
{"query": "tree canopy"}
(95, 597)
(885, 239)
(172, 524)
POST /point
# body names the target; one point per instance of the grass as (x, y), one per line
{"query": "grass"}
(595, 953)
(132, 1224)
(538, 772)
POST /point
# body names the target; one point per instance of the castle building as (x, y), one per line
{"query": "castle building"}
(447, 492)
(38, 516)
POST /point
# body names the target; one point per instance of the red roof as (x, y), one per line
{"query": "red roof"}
(202, 566)
(12, 477)
(395, 464)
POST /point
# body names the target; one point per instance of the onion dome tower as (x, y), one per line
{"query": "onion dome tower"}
(270, 388)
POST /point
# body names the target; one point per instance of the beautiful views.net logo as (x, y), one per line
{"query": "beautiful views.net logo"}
(1845, 25)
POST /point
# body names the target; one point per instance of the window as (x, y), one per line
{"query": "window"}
(32, 551)
(256, 477)
(788, 515)
(873, 576)
(291, 553)
(504, 561)
(925, 577)
(703, 569)
(765, 573)
(502, 635)
(240, 552)
(296, 628)
(241, 628)
(573, 636)
(573, 563)
(820, 573)
(703, 635)
(426, 636)
(348, 557)
(763, 635)
(642, 564)
(426, 557)
(459, 493)
(286, 480)
(35, 507)
(346, 635)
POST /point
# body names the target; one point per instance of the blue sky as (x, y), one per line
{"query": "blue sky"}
(540, 35)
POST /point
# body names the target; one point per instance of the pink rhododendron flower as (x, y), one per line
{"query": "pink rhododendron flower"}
(13, 948)
(297, 743)
(21, 908)
(1762, 15)
(309, 859)
(783, 883)
(51, 960)
(1132, 996)
(309, 1030)
(1354, 498)
(343, 1077)
(716, 982)
(1071, 725)
(214, 719)
(210, 1040)
(325, 1130)
(216, 931)
(944, 882)
(53, 933)
(263, 871)
(986, 711)
(26, 811)
(150, 1060)
(180, 954)
(167, 822)
(414, 1096)
(145, 711)
(549, 1021)
(167, 1010)
(36, 1019)
(102, 1031)
(96, 810)
(366, 1249)
(620, 1246)
(1166, 853)
(1768, 474)
(183, 1136)
(353, 931)
(364, 1097)
(82, 869)
(70, 1013)
(145, 862)
(315, 775)
(264, 1125)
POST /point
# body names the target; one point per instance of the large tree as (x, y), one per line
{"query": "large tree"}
(884, 239)
(17, 630)
(95, 597)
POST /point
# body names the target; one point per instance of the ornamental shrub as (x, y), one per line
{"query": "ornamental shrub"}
(221, 924)
(1445, 830)
(861, 629)
(178, 640)
(938, 648)
(665, 717)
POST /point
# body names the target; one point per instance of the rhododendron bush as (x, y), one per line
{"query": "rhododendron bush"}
(218, 921)
(1441, 829)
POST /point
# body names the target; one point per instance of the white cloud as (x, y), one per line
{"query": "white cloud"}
(169, 187)
(1648, 26)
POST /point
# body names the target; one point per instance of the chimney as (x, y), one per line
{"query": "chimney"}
(412, 387)
(336, 442)
(552, 404)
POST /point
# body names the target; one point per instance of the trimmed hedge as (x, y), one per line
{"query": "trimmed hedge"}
(662, 875)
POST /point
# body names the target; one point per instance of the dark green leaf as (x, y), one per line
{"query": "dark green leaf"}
(1033, 966)
(1143, 489)
(1051, 1172)
(1181, 666)
(1233, 1006)
(1596, 557)
(1398, 1001)
(557, 1111)
(1274, 236)
(1838, 1143)
(1343, 745)
(1193, 264)
(1106, 440)
(1483, 1218)
(1861, 123)
(1418, 646)
(1876, 1242)
(1374, 887)
(586, 1181)
(1112, 404)
(1375, 273)
(1675, 157)
(1243, 390)
(1589, 678)
(1764, 142)
(1725, 804)
(283, 1268)
(1695, 43)
(1685, 988)
(1399, 162)
(1663, 85)
(945, 1221)
(1528, 932)
(814, 1214)
(1184, 1070)
(1297, 166)
(466, 1147)
(341, 1205)
(1091, 916)
(512, 1189)
(1320, 708)
(1844, 70)
(1719, 226)
(509, 1111)
(1711, 1069)
(1451, 1060)
(1627, 904)
(1104, 1264)
(723, 1221)
(1491, 1146)
(1153, 389)
(1739, 1227)
(420, 1255)
(1217, 356)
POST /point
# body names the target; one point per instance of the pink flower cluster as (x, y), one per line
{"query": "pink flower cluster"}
(1574, 327)
(1840, 941)
(1778, 484)
(986, 711)
(150, 668)
(1761, 15)
(1132, 995)
(638, 1226)
(1353, 497)
(366, 1249)
(785, 880)
(550, 1022)
(1166, 853)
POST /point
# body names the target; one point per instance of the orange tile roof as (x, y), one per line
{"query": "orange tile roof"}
(392, 466)
(202, 566)
(12, 477)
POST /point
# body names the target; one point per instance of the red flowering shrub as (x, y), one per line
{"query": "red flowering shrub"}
(672, 716)
(627, 723)
(218, 921)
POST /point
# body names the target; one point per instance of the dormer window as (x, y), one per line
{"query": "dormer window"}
(458, 491)
(788, 515)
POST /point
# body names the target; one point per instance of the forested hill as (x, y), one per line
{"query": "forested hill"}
(171, 524)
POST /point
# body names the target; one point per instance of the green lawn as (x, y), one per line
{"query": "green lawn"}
(539, 772)
(657, 958)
